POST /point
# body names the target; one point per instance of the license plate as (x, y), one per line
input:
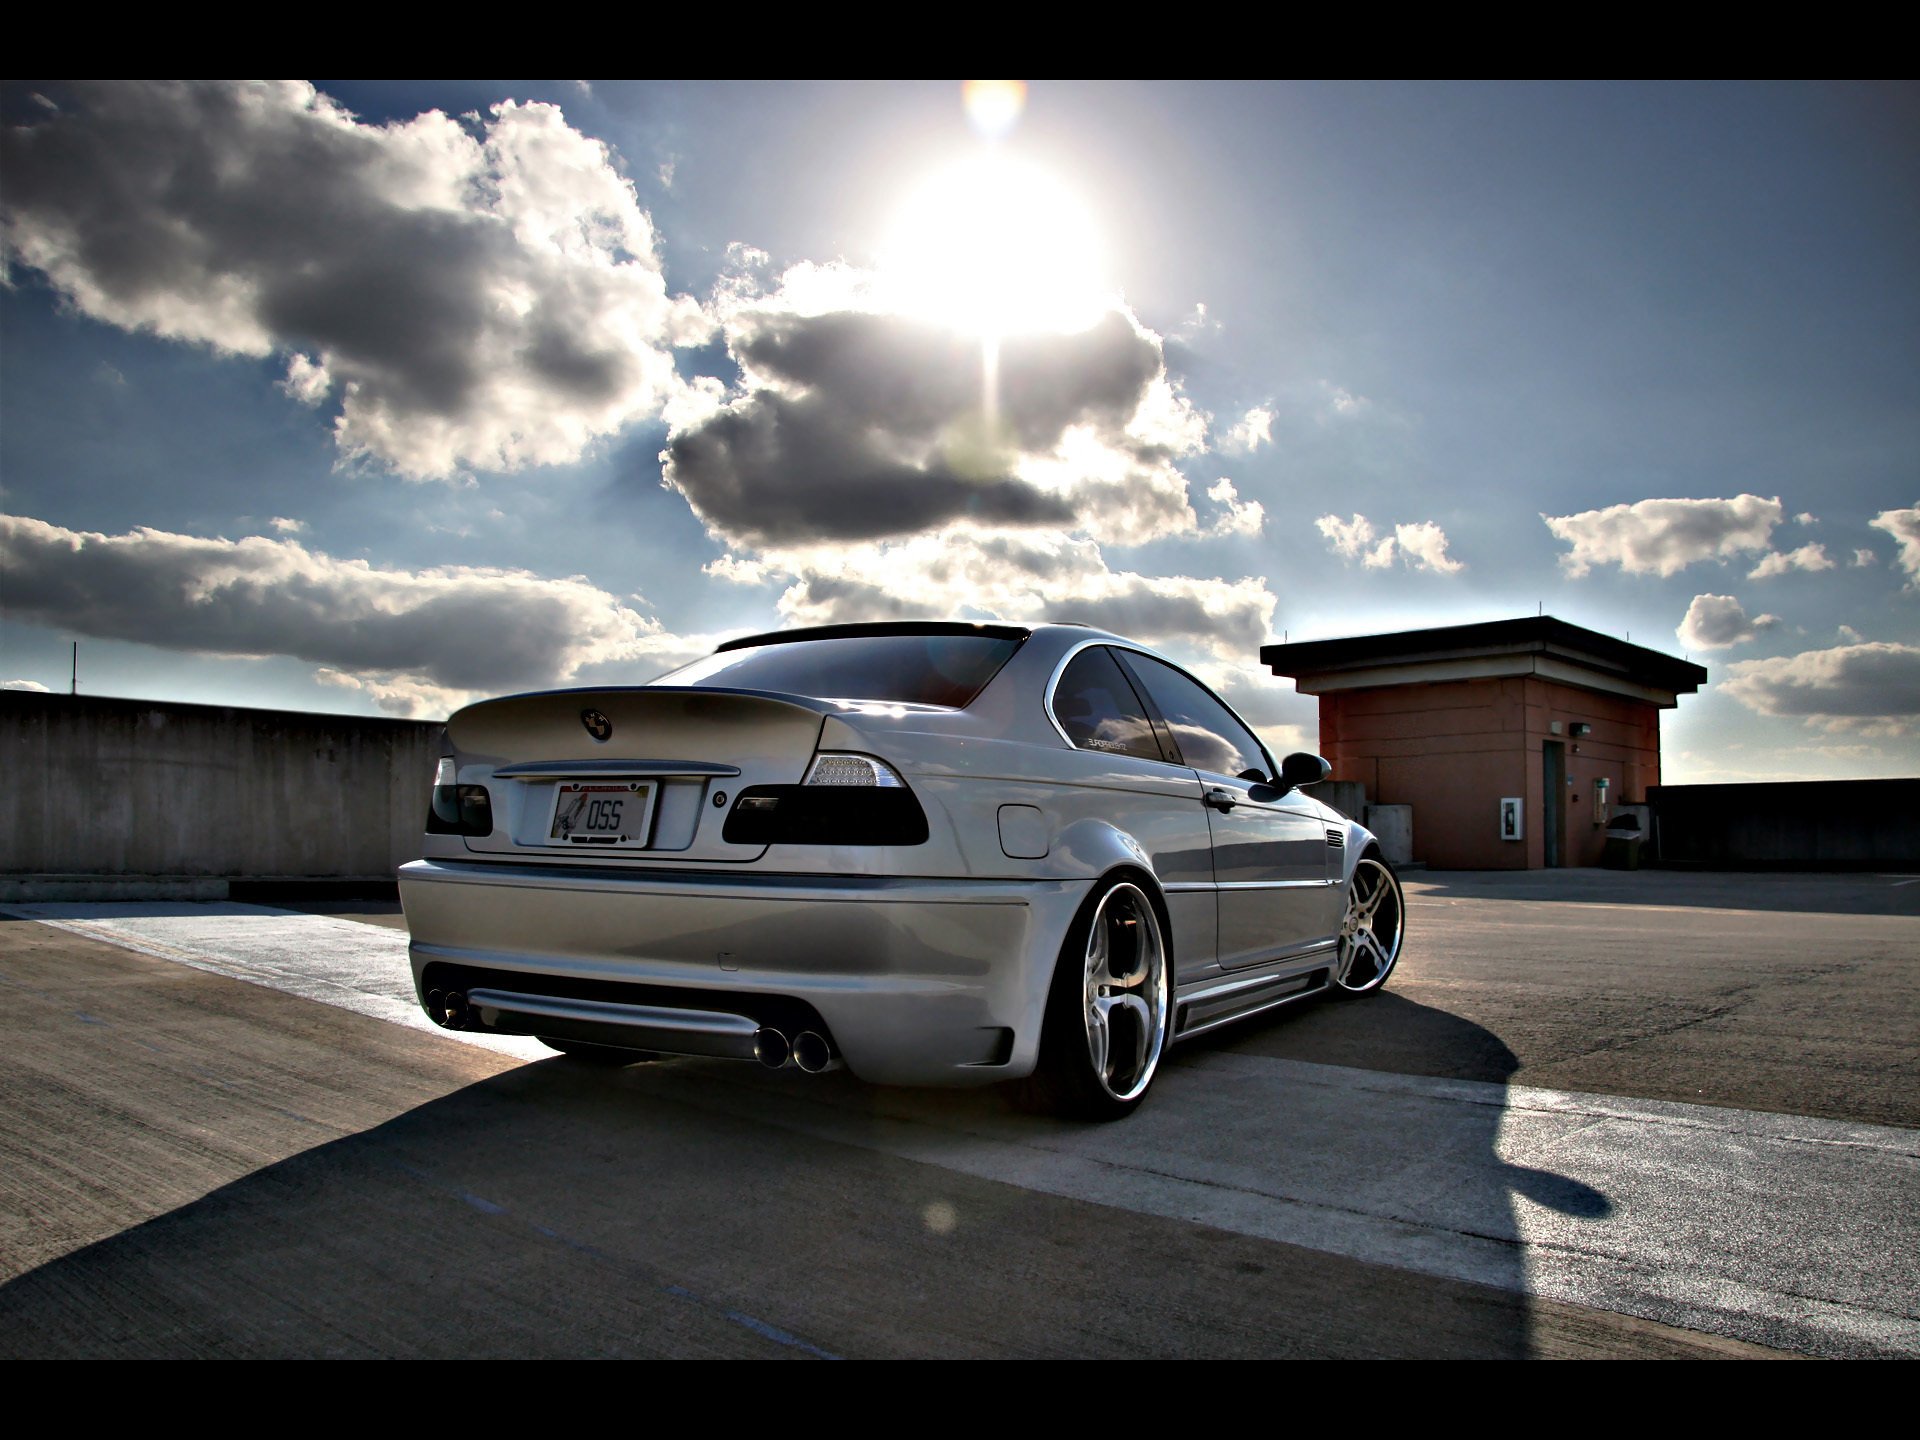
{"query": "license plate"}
(606, 813)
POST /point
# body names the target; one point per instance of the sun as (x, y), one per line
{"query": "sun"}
(993, 106)
(996, 246)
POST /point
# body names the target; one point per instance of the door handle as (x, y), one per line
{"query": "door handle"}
(1218, 799)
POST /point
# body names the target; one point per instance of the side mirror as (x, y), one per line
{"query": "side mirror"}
(1300, 768)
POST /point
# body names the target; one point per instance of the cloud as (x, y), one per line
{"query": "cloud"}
(307, 381)
(1354, 540)
(855, 423)
(1713, 622)
(1844, 752)
(1422, 545)
(1249, 432)
(1864, 557)
(1663, 537)
(286, 526)
(429, 634)
(1870, 689)
(1238, 517)
(1903, 526)
(400, 694)
(1341, 404)
(1856, 759)
(1280, 715)
(33, 685)
(1021, 576)
(865, 464)
(739, 570)
(1198, 321)
(480, 292)
(1805, 517)
(1807, 557)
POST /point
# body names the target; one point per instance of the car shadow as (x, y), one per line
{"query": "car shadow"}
(701, 1208)
(1418, 1130)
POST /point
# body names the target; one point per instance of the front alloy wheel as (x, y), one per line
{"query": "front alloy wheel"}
(1370, 934)
(1108, 1016)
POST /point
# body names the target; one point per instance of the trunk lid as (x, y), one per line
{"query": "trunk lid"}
(628, 775)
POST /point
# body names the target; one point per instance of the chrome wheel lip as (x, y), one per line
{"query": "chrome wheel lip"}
(1143, 993)
(1365, 932)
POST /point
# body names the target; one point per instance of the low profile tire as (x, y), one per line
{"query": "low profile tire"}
(585, 1054)
(1371, 932)
(1110, 1011)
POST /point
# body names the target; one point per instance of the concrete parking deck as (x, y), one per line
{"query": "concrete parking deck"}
(1617, 1114)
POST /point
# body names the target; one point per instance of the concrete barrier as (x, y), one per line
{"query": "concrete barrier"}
(122, 799)
(1349, 797)
(1790, 824)
(1392, 826)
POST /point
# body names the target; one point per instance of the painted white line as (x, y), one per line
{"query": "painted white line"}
(1785, 1230)
(362, 968)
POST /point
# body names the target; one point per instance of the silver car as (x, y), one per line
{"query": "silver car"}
(937, 853)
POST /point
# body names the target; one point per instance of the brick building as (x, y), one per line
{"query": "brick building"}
(1511, 740)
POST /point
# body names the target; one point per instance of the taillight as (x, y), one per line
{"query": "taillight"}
(845, 800)
(458, 809)
(858, 771)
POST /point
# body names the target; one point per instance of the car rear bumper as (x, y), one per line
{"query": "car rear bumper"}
(916, 981)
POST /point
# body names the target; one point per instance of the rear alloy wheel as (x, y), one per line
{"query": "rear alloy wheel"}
(1109, 1013)
(1370, 935)
(609, 1055)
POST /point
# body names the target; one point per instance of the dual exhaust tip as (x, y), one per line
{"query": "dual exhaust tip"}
(809, 1051)
(449, 1009)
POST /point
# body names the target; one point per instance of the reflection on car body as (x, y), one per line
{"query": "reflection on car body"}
(938, 853)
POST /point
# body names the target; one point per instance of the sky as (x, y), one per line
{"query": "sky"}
(379, 398)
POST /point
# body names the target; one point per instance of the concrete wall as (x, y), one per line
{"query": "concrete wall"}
(94, 786)
(1349, 797)
(1452, 749)
(1803, 824)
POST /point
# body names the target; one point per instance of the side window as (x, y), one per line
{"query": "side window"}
(1209, 735)
(1096, 705)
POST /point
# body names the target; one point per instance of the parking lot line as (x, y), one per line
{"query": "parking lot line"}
(1785, 1230)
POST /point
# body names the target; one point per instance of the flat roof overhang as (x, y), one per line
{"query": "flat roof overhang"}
(1540, 646)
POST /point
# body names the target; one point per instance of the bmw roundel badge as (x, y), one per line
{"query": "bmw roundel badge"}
(597, 725)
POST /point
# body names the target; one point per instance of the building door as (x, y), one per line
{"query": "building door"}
(1554, 794)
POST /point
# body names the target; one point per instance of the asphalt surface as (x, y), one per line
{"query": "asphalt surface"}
(1615, 1115)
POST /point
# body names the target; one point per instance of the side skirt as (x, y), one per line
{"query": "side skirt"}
(1221, 1002)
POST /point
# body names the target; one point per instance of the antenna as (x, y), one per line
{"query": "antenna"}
(73, 685)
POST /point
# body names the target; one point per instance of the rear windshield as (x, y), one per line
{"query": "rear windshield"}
(897, 669)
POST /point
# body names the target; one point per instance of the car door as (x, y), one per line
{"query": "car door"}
(1124, 767)
(1270, 855)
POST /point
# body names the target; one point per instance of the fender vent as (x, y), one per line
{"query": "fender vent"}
(1336, 840)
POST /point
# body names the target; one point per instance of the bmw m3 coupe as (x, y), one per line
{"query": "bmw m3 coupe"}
(936, 853)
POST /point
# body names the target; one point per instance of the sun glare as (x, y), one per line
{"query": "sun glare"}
(996, 246)
(994, 106)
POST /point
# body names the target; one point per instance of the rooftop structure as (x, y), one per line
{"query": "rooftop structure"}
(1514, 741)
